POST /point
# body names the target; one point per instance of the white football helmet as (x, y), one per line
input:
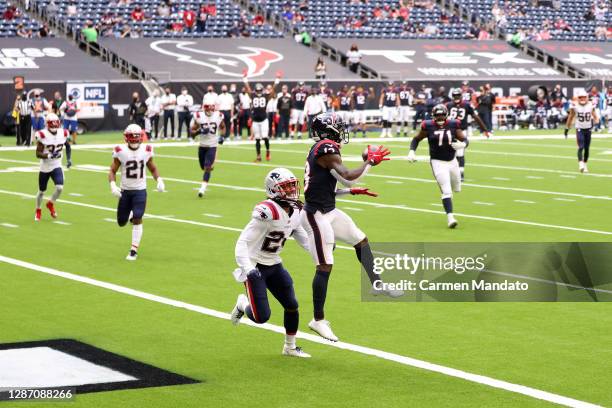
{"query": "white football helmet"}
(582, 96)
(53, 122)
(281, 184)
(208, 105)
(133, 136)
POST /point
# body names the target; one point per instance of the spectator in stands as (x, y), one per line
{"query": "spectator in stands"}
(137, 14)
(234, 30)
(184, 102)
(212, 9)
(320, 69)
(10, 13)
(163, 9)
(189, 20)
(89, 32)
(52, 8)
(202, 19)
(168, 102)
(561, 25)
(354, 58)
(431, 29)
(377, 13)
(137, 110)
(43, 31)
(71, 9)
(600, 10)
(601, 33)
(303, 37)
(258, 20)
(288, 12)
(23, 32)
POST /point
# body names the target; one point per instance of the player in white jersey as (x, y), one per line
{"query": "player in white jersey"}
(207, 124)
(132, 157)
(49, 147)
(608, 106)
(258, 249)
(585, 114)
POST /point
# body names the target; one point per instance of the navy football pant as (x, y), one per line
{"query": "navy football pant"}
(131, 201)
(583, 138)
(277, 280)
(57, 175)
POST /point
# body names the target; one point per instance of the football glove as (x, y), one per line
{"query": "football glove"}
(458, 145)
(412, 156)
(377, 155)
(116, 191)
(161, 187)
(565, 132)
(363, 191)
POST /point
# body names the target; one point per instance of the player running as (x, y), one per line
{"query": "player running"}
(132, 157)
(49, 147)
(258, 256)
(323, 222)
(585, 114)
(445, 137)
(460, 109)
(298, 118)
(388, 103)
(207, 124)
(261, 126)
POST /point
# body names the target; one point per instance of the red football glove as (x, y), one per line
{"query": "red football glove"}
(363, 191)
(377, 154)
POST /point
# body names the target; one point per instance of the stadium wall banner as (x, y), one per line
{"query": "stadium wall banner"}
(438, 60)
(90, 98)
(202, 59)
(50, 59)
(592, 58)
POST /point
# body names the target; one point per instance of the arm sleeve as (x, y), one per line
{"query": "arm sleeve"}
(301, 237)
(414, 143)
(253, 231)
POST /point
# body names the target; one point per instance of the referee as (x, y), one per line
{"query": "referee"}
(24, 120)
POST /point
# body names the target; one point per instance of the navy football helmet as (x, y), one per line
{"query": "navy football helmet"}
(329, 126)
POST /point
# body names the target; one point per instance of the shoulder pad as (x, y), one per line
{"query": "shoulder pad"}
(326, 146)
(149, 148)
(66, 134)
(457, 123)
(424, 124)
(265, 211)
(117, 149)
(40, 134)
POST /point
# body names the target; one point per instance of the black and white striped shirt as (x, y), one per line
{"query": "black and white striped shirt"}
(24, 108)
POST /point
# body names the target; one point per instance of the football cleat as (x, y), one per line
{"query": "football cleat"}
(268, 156)
(581, 166)
(294, 352)
(132, 255)
(238, 311)
(201, 192)
(69, 163)
(387, 292)
(38, 214)
(586, 169)
(323, 329)
(51, 208)
(452, 222)
(258, 159)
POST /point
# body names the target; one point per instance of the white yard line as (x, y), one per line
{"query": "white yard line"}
(61, 223)
(212, 215)
(564, 199)
(501, 178)
(534, 177)
(482, 203)
(352, 208)
(524, 201)
(567, 176)
(397, 358)
(7, 225)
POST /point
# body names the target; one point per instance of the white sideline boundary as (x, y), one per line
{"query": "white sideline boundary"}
(408, 361)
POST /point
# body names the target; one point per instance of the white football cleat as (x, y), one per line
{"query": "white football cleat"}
(452, 222)
(201, 193)
(241, 303)
(132, 255)
(387, 292)
(581, 166)
(323, 329)
(586, 169)
(294, 352)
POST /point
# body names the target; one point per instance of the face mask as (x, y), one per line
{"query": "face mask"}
(184, 92)
(133, 146)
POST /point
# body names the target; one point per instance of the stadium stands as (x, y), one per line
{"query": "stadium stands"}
(373, 19)
(12, 20)
(565, 20)
(117, 19)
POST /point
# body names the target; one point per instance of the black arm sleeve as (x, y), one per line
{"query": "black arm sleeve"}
(414, 144)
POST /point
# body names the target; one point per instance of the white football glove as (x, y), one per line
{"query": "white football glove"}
(161, 187)
(116, 191)
(458, 145)
(412, 156)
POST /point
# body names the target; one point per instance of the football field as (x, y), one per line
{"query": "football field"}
(68, 279)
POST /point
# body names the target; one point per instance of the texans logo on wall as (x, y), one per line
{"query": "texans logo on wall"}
(252, 62)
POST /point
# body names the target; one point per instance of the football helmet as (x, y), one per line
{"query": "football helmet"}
(208, 104)
(457, 95)
(133, 136)
(439, 113)
(281, 184)
(53, 122)
(329, 126)
(259, 88)
(582, 96)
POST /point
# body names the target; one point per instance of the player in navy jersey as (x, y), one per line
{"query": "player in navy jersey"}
(608, 108)
(445, 137)
(460, 110)
(323, 222)
(345, 104)
(298, 118)
(360, 102)
(405, 101)
(259, 115)
(327, 95)
(389, 104)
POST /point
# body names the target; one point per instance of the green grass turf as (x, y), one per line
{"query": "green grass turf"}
(557, 347)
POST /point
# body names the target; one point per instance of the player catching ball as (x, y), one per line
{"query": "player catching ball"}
(131, 158)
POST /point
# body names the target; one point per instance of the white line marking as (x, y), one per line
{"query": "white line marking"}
(524, 201)
(408, 361)
(75, 194)
(568, 176)
(62, 223)
(564, 199)
(394, 182)
(481, 203)
(501, 178)
(212, 215)
(352, 208)
(7, 225)
(437, 205)
(534, 177)
(110, 220)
